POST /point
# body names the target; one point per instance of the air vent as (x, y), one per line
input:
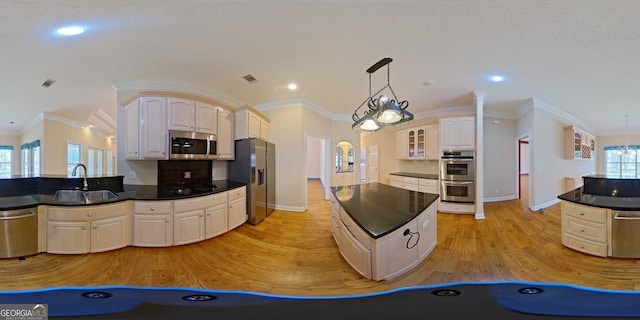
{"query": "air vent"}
(250, 78)
(48, 83)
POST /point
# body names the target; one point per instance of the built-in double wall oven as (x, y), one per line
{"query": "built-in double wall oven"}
(457, 176)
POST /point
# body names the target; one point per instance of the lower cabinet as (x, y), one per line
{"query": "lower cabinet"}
(237, 207)
(391, 255)
(585, 228)
(78, 230)
(188, 227)
(217, 216)
(152, 223)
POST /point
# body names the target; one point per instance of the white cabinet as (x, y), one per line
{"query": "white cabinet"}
(188, 227)
(237, 207)
(419, 143)
(225, 144)
(585, 228)
(146, 129)
(197, 219)
(152, 223)
(414, 184)
(189, 115)
(250, 123)
(457, 133)
(78, 230)
(579, 144)
(217, 215)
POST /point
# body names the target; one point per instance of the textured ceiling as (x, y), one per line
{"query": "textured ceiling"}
(580, 56)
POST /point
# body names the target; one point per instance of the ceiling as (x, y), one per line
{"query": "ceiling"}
(579, 56)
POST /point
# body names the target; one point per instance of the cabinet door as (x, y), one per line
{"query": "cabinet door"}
(152, 230)
(254, 125)
(397, 252)
(466, 133)
(433, 143)
(420, 143)
(132, 130)
(216, 220)
(402, 144)
(225, 137)
(448, 130)
(181, 114)
(356, 254)
(67, 237)
(264, 130)
(154, 128)
(427, 226)
(237, 212)
(206, 118)
(109, 234)
(188, 227)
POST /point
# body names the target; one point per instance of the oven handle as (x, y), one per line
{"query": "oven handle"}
(208, 146)
(458, 159)
(457, 183)
(620, 215)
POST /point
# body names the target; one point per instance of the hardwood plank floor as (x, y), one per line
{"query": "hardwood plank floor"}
(293, 253)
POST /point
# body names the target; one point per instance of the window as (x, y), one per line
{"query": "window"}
(622, 165)
(6, 157)
(109, 160)
(31, 158)
(73, 156)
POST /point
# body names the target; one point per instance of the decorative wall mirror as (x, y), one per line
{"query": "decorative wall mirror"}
(344, 157)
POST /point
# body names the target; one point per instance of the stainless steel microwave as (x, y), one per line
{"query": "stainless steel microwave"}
(192, 145)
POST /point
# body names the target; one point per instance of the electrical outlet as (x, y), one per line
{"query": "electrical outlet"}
(133, 174)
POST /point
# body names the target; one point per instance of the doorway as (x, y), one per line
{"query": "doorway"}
(523, 169)
(372, 159)
(317, 163)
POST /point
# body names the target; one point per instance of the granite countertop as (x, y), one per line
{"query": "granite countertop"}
(129, 192)
(416, 175)
(380, 209)
(616, 203)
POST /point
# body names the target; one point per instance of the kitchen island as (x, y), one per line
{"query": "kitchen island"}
(383, 231)
(601, 217)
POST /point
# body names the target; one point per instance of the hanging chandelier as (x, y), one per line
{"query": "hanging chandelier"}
(626, 150)
(383, 110)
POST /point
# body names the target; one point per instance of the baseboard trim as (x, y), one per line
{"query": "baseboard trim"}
(290, 208)
(503, 198)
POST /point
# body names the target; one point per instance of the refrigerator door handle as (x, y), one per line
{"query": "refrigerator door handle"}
(260, 177)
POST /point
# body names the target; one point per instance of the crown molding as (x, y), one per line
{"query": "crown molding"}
(180, 87)
(539, 104)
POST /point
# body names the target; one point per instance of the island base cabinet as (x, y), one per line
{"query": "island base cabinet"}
(396, 252)
(427, 226)
(152, 230)
(354, 252)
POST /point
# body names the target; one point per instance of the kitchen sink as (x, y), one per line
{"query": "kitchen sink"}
(79, 196)
(69, 196)
(99, 195)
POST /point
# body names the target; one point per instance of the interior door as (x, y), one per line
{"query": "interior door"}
(372, 163)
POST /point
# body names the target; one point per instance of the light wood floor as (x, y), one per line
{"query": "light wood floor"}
(293, 253)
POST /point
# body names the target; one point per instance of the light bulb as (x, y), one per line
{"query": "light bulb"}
(369, 125)
(389, 116)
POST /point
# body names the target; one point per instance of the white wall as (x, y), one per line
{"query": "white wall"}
(499, 159)
(314, 158)
(524, 158)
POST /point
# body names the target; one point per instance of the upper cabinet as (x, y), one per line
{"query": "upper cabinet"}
(146, 129)
(250, 123)
(225, 143)
(457, 133)
(579, 144)
(418, 143)
(150, 115)
(189, 115)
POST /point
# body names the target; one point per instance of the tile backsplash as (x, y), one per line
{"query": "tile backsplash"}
(184, 172)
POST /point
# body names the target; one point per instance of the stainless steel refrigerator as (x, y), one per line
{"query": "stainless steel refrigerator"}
(255, 165)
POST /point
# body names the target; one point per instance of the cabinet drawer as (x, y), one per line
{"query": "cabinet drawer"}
(598, 215)
(410, 180)
(355, 229)
(199, 202)
(428, 183)
(583, 245)
(152, 207)
(585, 229)
(237, 193)
(394, 178)
(86, 213)
(411, 186)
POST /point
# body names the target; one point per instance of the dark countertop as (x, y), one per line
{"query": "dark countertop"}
(416, 175)
(615, 203)
(380, 209)
(129, 192)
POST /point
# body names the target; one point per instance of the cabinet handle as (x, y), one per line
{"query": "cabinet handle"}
(581, 230)
(89, 215)
(582, 213)
(84, 228)
(201, 215)
(151, 209)
(166, 220)
(95, 227)
(208, 214)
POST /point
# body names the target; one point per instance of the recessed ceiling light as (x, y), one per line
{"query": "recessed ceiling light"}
(293, 86)
(70, 31)
(497, 78)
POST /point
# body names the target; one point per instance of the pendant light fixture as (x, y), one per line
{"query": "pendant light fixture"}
(383, 110)
(625, 150)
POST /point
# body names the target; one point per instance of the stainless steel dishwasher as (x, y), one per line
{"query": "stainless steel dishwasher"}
(625, 231)
(18, 233)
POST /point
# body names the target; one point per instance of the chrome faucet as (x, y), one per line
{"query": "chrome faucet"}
(75, 171)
